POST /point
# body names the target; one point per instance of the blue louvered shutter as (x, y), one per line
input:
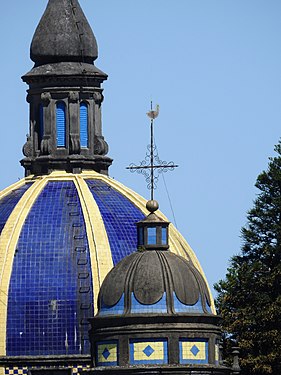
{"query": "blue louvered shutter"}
(41, 124)
(61, 124)
(84, 125)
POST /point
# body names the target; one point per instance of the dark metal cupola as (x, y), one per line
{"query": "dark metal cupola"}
(153, 279)
(65, 95)
(155, 313)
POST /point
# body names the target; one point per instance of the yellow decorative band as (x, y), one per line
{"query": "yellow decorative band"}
(154, 351)
(8, 242)
(194, 351)
(100, 253)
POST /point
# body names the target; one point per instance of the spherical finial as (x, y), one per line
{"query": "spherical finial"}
(152, 206)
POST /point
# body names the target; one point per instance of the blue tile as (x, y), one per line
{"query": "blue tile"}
(194, 350)
(117, 309)
(8, 203)
(159, 307)
(106, 353)
(119, 215)
(148, 351)
(44, 314)
(182, 308)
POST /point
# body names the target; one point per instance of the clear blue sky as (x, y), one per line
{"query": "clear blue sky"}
(212, 65)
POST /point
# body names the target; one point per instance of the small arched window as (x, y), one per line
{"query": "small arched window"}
(61, 124)
(41, 124)
(84, 125)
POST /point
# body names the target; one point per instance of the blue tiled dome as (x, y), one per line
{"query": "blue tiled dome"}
(60, 236)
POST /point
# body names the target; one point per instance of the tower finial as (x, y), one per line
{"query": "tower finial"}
(152, 166)
(63, 35)
(65, 95)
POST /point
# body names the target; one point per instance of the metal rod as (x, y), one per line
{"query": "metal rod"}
(164, 166)
(151, 157)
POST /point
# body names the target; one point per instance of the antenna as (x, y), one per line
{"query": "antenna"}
(152, 166)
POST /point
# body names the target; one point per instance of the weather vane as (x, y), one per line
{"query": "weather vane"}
(151, 167)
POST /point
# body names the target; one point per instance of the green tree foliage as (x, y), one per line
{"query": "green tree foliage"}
(249, 298)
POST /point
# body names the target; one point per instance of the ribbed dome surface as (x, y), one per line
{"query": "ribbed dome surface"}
(60, 235)
(154, 281)
(63, 35)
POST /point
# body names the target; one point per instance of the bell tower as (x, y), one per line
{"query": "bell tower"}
(65, 95)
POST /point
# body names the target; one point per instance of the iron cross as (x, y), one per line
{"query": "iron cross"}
(152, 166)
